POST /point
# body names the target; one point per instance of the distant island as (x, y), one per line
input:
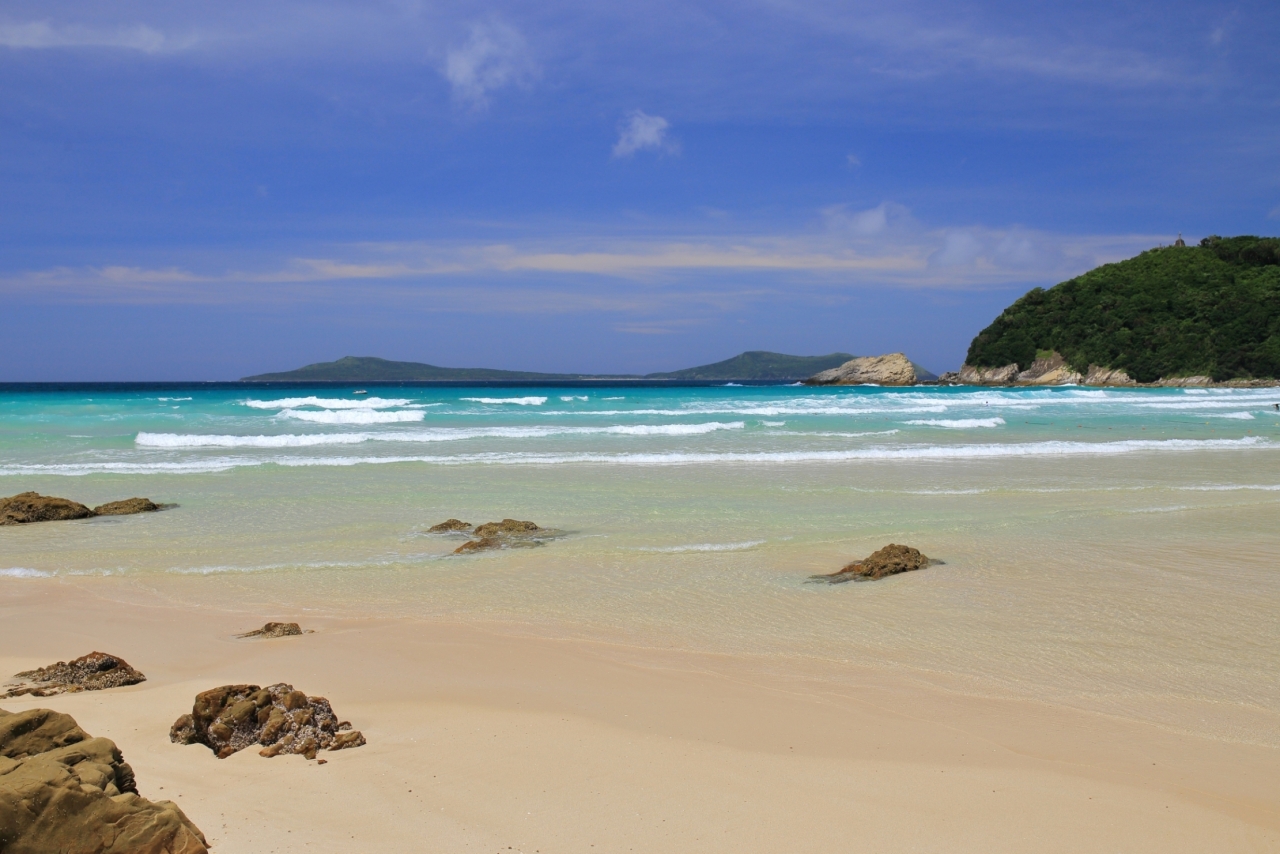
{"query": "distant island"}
(1177, 315)
(753, 365)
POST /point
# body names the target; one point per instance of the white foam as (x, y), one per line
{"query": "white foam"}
(24, 572)
(442, 434)
(326, 403)
(354, 416)
(958, 423)
(774, 423)
(172, 398)
(1237, 416)
(567, 398)
(518, 401)
(705, 547)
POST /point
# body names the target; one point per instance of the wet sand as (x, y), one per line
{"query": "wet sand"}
(481, 738)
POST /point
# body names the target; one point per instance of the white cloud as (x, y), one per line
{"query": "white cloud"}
(853, 160)
(884, 217)
(494, 55)
(41, 34)
(639, 131)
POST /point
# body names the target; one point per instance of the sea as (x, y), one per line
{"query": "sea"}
(1112, 550)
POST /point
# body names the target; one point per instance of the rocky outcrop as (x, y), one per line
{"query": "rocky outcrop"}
(1099, 376)
(30, 507)
(893, 369)
(1007, 375)
(63, 790)
(127, 507)
(1053, 370)
(278, 718)
(509, 533)
(1185, 382)
(890, 560)
(450, 526)
(93, 672)
(274, 630)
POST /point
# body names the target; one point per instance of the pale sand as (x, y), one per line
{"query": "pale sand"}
(482, 740)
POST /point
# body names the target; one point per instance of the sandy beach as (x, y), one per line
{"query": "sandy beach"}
(481, 739)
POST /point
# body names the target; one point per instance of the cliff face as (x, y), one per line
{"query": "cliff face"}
(893, 369)
(1053, 370)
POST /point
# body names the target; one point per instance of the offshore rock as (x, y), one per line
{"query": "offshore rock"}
(505, 528)
(127, 507)
(93, 672)
(449, 526)
(278, 718)
(890, 560)
(893, 369)
(274, 630)
(33, 507)
(65, 791)
(969, 375)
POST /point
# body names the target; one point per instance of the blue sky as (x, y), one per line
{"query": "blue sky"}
(207, 190)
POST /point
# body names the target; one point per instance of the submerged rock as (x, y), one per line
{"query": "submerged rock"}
(449, 526)
(93, 672)
(893, 369)
(28, 507)
(278, 718)
(63, 790)
(274, 630)
(127, 507)
(890, 560)
(500, 535)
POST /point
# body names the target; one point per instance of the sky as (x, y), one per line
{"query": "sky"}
(201, 191)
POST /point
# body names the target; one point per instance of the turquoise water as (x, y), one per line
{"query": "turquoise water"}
(1114, 550)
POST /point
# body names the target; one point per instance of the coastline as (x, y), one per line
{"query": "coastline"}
(507, 739)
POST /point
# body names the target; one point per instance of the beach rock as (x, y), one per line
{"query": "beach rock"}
(93, 672)
(278, 718)
(127, 507)
(893, 369)
(1101, 376)
(505, 528)
(1185, 382)
(969, 375)
(483, 544)
(449, 526)
(33, 507)
(274, 630)
(890, 560)
(949, 378)
(63, 791)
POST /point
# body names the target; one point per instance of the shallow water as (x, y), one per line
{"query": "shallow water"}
(1109, 550)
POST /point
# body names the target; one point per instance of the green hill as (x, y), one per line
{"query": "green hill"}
(1212, 309)
(758, 365)
(360, 369)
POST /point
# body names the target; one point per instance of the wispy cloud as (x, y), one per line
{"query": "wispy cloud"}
(494, 55)
(42, 34)
(639, 131)
(882, 246)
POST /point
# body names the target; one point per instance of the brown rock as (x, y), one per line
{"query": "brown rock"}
(480, 545)
(62, 790)
(449, 525)
(1007, 375)
(280, 719)
(92, 672)
(274, 630)
(890, 560)
(893, 369)
(1107, 377)
(505, 528)
(127, 507)
(34, 507)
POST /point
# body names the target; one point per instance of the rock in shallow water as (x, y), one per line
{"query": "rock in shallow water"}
(448, 526)
(500, 535)
(92, 672)
(28, 507)
(890, 560)
(278, 718)
(65, 791)
(274, 630)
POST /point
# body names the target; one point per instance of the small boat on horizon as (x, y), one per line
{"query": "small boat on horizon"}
(359, 391)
